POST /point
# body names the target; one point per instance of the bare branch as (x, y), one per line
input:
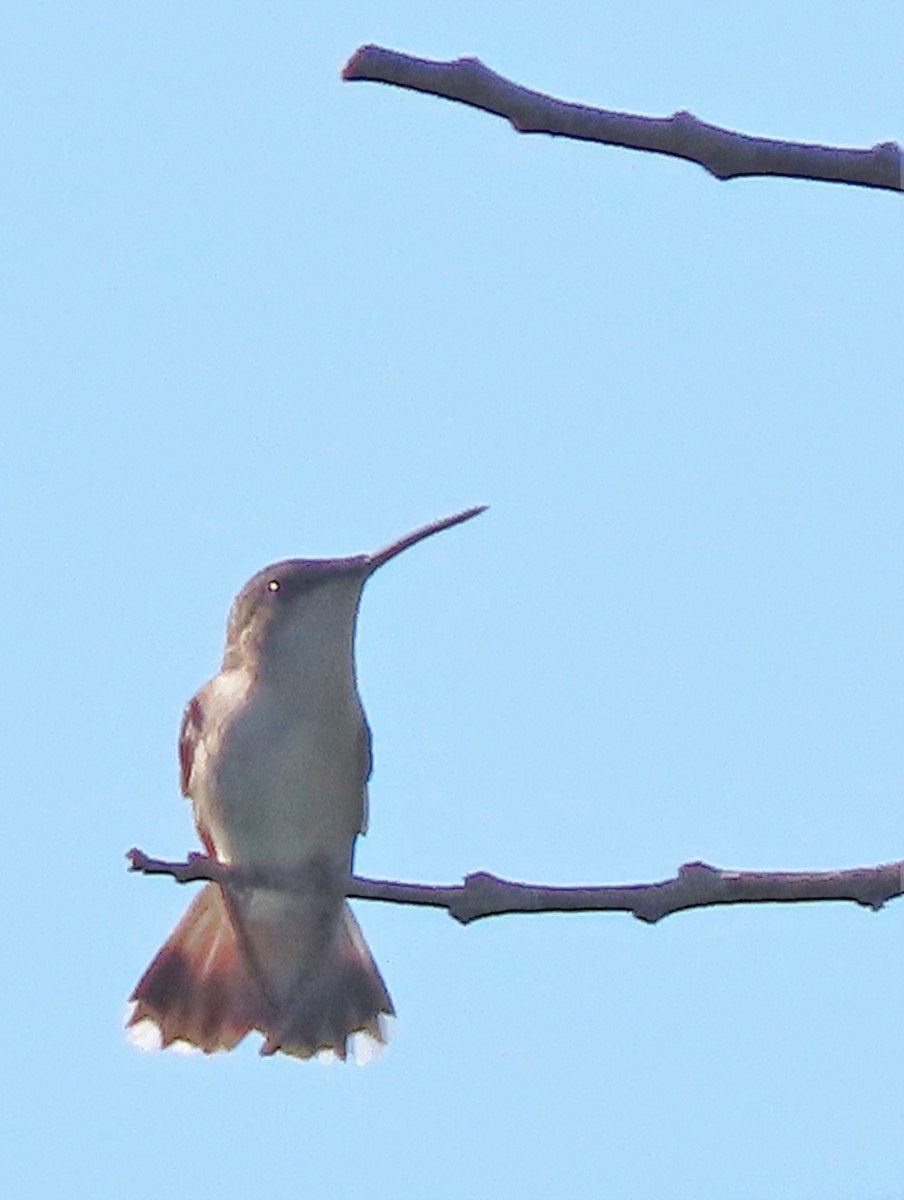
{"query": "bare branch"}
(697, 885)
(723, 152)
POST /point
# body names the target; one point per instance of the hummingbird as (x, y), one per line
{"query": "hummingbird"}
(275, 755)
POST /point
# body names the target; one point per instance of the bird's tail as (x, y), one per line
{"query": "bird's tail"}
(228, 968)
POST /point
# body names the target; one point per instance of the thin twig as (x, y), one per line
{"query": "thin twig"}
(723, 152)
(697, 885)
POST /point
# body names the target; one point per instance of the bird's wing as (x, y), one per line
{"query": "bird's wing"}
(190, 734)
(365, 756)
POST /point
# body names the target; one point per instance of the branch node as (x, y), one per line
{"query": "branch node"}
(697, 870)
(480, 895)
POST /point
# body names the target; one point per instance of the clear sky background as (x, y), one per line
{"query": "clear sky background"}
(249, 312)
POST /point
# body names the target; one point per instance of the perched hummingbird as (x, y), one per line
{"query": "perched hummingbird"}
(275, 757)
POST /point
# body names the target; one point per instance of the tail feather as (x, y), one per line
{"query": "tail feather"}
(346, 995)
(198, 988)
(203, 988)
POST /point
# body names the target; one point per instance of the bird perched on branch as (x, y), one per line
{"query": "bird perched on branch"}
(275, 757)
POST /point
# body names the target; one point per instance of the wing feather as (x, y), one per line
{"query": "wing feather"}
(365, 754)
(190, 734)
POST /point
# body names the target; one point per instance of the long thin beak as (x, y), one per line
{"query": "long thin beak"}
(410, 539)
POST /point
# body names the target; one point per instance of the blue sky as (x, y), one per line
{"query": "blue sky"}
(250, 312)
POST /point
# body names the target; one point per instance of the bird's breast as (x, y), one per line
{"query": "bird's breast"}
(285, 781)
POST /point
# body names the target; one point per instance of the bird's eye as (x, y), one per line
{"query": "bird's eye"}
(273, 585)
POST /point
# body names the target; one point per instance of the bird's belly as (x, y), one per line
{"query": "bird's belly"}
(286, 791)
